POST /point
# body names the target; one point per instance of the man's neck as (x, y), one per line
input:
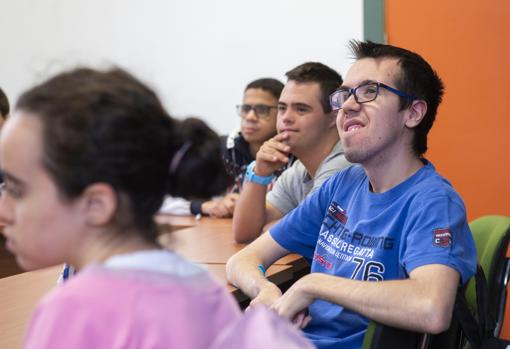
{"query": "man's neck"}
(386, 172)
(312, 158)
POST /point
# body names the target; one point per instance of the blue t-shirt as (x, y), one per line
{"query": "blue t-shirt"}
(349, 231)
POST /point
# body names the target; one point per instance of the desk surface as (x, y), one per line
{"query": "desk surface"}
(172, 223)
(208, 242)
(18, 296)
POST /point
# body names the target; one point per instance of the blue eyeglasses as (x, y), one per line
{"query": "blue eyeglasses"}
(363, 94)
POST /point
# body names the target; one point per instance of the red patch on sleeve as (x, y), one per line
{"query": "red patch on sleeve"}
(442, 237)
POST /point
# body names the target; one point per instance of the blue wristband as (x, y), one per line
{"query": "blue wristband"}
(250, 176)
(262, 269)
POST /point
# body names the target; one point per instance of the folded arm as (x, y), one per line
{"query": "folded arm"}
(252, 211)
(422, 303)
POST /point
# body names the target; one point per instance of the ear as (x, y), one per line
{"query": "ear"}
(99, 203)
(416, 113)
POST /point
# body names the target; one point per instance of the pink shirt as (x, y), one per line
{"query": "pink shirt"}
(127, 304)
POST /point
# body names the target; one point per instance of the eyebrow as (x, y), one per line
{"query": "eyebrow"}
(11, 178)
(301, 105)
(295, 105)
(364, 82)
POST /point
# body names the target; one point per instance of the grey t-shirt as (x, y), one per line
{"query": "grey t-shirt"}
(295, 183)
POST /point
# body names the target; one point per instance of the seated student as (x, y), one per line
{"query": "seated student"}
(388, 238)
(87, 157)
(202, 155)
(306, 126)
(258, 124)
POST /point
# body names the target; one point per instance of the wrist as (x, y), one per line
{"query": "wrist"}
(196, 207)
(256, 170)
(260, 284)
(267, 287)
(252, 176)
(306, 285)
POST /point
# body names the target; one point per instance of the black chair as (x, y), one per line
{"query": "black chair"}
(379, 336)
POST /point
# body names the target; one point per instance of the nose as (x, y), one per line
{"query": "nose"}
(251, 115)
(6, 212)
(350, 104)
(286, 116)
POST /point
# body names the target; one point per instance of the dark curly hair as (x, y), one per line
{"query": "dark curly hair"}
(106, 126)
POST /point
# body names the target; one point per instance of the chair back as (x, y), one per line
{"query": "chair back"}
(379, 336)
(492, 236)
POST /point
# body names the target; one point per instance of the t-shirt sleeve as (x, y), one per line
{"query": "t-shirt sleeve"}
(282, 196)
(335, 165)
(298, 230)
(438, 233)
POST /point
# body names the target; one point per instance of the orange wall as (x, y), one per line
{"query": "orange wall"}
(468, 43)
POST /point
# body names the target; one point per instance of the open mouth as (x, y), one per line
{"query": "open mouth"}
(352, 125)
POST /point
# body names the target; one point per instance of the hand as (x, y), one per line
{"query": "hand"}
(229, 201)
(272, 155)
(302, 319)
(220, 208)
(267, 295)
(293, 305)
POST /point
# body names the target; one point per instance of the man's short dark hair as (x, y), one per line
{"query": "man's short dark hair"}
(417, 78)
(4, 104)
(328, 79)
(273, 86)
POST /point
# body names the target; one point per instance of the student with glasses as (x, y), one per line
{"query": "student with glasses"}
(258, 123)
(388, 237)
(306, 126)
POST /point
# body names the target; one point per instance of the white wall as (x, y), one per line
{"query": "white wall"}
(197, 54)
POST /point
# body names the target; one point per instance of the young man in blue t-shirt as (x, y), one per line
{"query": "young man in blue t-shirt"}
(388, 238)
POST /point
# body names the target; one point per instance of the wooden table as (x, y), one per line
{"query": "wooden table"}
(18, 296)
(208, 242)
(172, 223)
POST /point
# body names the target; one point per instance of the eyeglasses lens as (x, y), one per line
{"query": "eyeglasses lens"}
(260, 110)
